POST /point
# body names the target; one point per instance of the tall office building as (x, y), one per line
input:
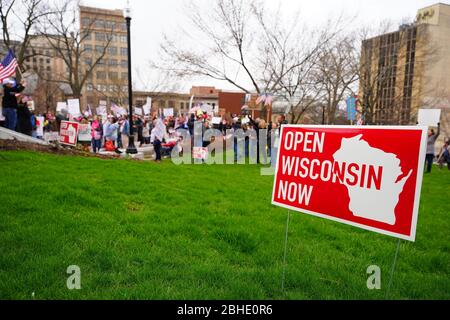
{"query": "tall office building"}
(109, 79)
(408, 70)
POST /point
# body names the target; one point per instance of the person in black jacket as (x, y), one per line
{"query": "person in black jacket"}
(24, 118)
(9, 102)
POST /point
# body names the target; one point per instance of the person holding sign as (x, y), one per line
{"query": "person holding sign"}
(157, 136)
(444, 156)
(432, 137)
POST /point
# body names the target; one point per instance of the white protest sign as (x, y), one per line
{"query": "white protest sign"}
(206, 108)
(40, 126)
(60, 106)
(429, 117)
(51, 136)
(147, 109)
(102, 103)
(101, 110)
(149, 102)
(120, 111)
(216, 120)
(138, 111)
(74, 106)
(31, 106)
(84, 132)
(168, 112)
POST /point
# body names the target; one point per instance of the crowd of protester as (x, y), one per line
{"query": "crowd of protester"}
(112, 132)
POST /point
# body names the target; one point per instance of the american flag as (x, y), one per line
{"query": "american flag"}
(8, 65)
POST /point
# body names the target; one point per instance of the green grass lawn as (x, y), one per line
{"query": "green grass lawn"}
(147, 231)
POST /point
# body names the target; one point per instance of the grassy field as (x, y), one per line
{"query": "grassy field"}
(148, 231)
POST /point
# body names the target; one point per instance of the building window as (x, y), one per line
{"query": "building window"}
(124, 75)
(113, 75)
(109, 25)
(112, 51)
(88, 48)
(86, 36)
(100, 36)
(124, 51)
(88, 62)
(99, 49)
(101, 75)
(123, 39)
(100, 24)
(85, 22)
(89, 87)
(112, 62)
(124, 63)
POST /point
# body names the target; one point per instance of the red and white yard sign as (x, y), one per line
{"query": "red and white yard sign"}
(368, 177)
(69, 133)
(200, 153)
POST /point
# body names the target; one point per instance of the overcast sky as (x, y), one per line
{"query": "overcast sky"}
(152, 18)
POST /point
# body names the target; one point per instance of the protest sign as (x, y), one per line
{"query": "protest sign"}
(84, 132)
(69, 133)
(102, 103)
(200, 153)
(40, 126)
(359, 176)
(147, 109)
(31, 106)
(74, 106)
(61, 106)
(216, 120)
(101, 110)
(138, 111)
(429, 117)
(51, 136)
(168, 112)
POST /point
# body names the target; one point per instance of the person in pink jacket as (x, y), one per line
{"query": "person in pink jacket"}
(96, 134)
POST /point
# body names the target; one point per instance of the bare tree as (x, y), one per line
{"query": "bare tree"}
(337, 72)
(61, 28)
(19, 20)
(240, 43)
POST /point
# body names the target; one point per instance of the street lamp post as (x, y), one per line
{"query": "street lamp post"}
(131, 147)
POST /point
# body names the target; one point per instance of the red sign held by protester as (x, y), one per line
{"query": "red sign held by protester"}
(368, 177)
(69, 133)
